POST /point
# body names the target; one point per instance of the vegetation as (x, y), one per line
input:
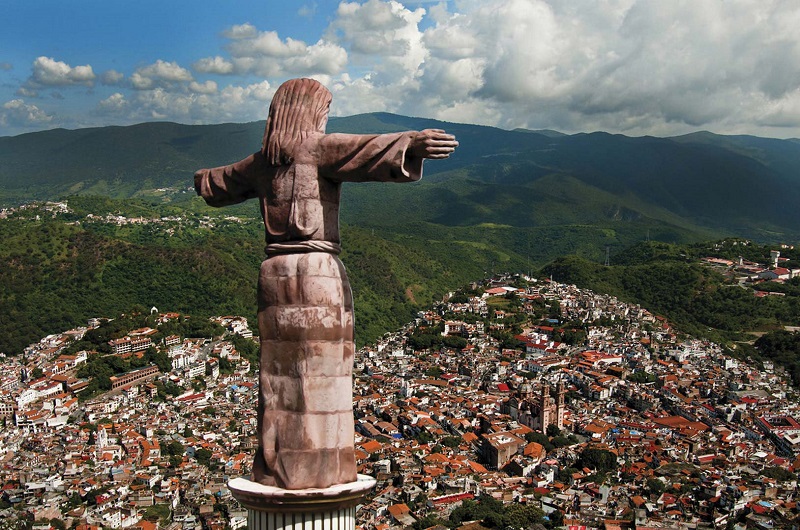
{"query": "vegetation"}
(670, 281)
(783, 347)
(493, 514)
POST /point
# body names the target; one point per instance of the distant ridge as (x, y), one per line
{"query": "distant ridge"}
(701, 183)
(550, 133)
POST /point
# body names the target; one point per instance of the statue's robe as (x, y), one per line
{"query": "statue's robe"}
(305, 305)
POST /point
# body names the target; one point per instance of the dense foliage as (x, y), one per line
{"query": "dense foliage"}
(669, 280)
(783, 347)
(696, 298)
(57, 273)
(494, 514)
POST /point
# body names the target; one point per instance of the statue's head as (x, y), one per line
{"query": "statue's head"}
(299, 107)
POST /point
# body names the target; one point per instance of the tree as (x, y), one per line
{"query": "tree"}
(427, 522)
(553, 430)
(540, 439)
(778, 473)
(601, 460)
(203, 456)
(451, 441)
(174, 448)
(655, 486)
(433, 371)
(521, 516)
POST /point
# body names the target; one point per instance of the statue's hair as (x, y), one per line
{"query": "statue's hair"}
(299, 107)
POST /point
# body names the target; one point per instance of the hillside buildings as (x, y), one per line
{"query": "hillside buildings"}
(629, 425)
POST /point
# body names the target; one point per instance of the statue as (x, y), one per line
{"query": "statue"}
(305, 305)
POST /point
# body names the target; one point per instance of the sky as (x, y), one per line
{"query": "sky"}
(635, 67)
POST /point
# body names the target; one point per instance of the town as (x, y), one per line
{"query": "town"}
(603, 417)
(599, 415)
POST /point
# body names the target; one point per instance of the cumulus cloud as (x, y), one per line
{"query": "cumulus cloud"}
(383, 35)
(267, 55)
(49, 72)
(634, 66)
(241, 31)
(113, 104)
(111, 77)
(630, 66)
(17, 113)
(159, 74)
(213, 65)
(234, 103)
(208, 87)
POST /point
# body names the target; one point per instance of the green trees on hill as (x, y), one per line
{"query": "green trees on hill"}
(697, 299)
(668, 280)
(783, 347)
(54, 275)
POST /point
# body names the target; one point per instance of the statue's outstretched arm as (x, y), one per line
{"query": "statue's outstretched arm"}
(394, 157)
(432, 143)
(231, 184)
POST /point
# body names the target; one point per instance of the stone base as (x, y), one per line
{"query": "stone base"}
(271, 508)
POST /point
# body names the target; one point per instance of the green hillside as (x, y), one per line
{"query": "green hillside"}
(506, 201)
(55, 274)
(670, 281)
(703, 184)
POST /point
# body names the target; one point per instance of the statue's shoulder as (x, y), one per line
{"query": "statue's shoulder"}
(308, 149)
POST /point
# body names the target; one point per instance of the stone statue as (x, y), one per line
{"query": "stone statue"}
(305, 306)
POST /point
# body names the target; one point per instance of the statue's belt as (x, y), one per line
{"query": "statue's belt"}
(299, 247)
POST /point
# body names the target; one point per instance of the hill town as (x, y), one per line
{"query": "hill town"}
(581, 408)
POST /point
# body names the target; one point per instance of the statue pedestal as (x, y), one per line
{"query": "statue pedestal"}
(271, 508)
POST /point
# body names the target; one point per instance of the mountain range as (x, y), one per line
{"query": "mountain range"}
(698, 185)
(505, 201)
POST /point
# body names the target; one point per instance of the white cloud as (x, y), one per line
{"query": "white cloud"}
(47, 71)
(385, 34)
(266, 54)
(631, 66)
(267, 44)
(231, 104)
(213, 65)
(208, 87)
(159, 74)
(111, 77)
(17, 113)
(242, 31)
(308, 11)
(27, 91)
(113, 104)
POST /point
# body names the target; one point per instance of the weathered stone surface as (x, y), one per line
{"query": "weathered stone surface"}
(311, 358)
(305, 306)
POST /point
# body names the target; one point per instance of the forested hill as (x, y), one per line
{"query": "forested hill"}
(506, 201)
(700, 184)
(104, 257)
(672, 281)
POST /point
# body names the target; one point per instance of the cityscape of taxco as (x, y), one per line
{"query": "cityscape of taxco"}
(600, 416)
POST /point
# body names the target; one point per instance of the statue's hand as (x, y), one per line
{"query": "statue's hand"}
(433, 143)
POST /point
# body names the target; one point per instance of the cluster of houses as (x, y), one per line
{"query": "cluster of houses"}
(693, 438)
(701, 440)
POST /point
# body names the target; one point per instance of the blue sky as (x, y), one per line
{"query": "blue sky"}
(659, 67)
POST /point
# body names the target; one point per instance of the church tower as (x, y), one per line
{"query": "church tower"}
(545, 408)
(560, 405)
